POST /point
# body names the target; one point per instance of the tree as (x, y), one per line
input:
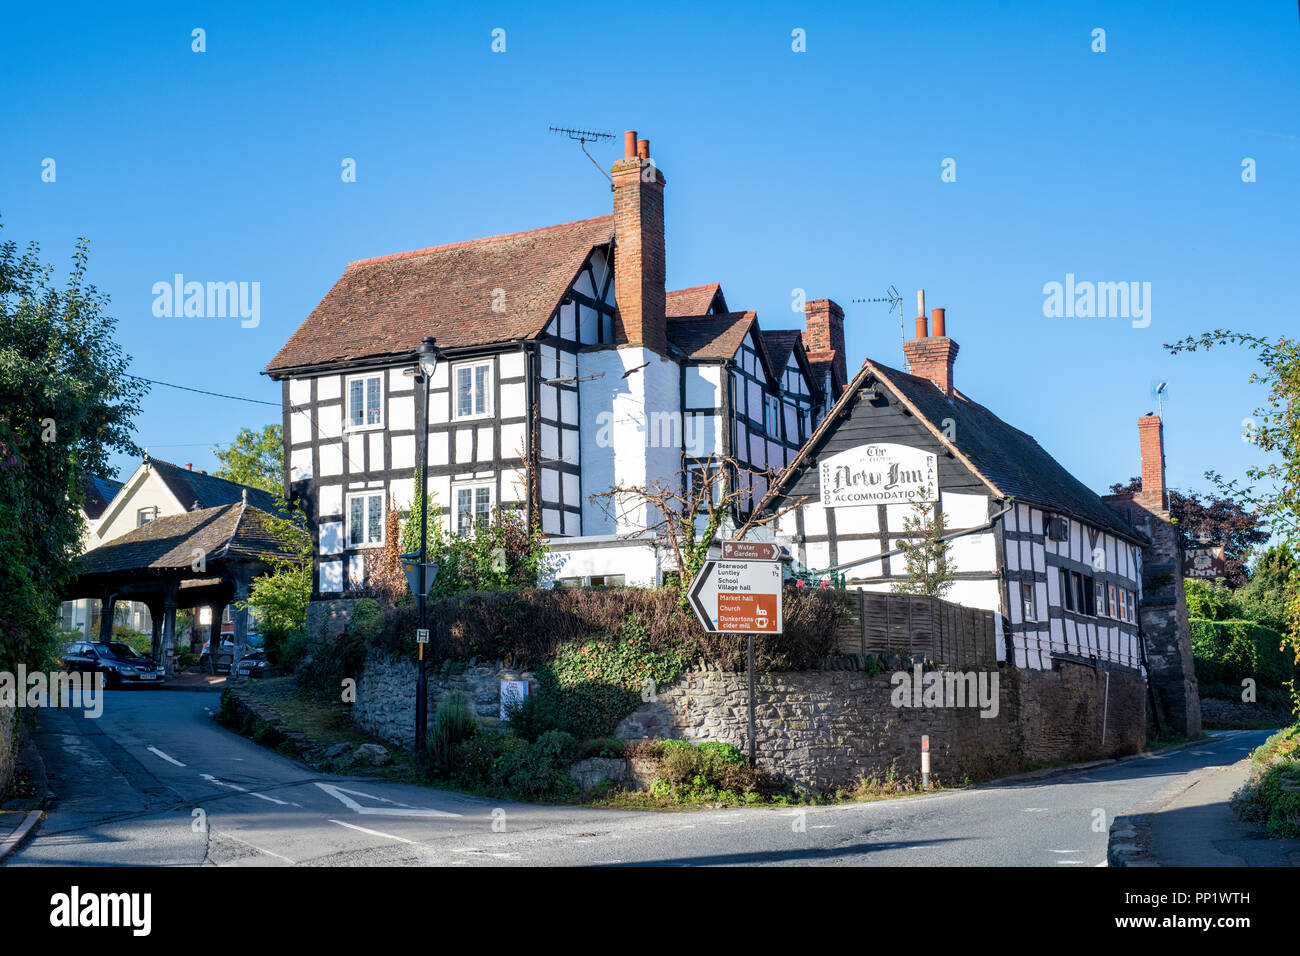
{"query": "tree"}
(1272, 489)
(926, 553)
(1213, 522)
(66, 402)
(685, 512)
(280, 599)
(254, 458)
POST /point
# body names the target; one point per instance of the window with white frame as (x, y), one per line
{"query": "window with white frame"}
(473, 504)
(365, 401)
(473, 383)
(1029, 605)
(144, 515)
(773, 418)
(365, 519)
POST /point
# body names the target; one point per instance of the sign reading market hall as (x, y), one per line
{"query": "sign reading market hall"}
(878, 474)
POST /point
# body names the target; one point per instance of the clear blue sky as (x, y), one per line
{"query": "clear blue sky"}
(817, 170)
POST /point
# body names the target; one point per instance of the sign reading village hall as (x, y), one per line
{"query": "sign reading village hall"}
(879, 474)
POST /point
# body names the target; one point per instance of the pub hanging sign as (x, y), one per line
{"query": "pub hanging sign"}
(879, 474)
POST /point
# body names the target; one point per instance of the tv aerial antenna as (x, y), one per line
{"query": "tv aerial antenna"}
(1159, 390)
(895, 302)
(582, 137)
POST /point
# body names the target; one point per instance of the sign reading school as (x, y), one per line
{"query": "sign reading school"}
(879, 474)
(738, 597)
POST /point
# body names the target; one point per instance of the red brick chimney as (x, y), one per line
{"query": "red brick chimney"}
(1154, 496)
(640, 273)
(823, 338)
(932, 355)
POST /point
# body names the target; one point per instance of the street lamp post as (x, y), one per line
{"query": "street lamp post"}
(428, 356)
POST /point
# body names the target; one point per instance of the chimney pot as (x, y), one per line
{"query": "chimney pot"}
(921, 331)
(629, 144)
(643, 148)
(938, 324)
(189, 466)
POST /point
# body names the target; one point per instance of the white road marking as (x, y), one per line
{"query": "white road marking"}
(389, 836)
(259, 849)
(1036, 809)
(396, 810)
(1071, 863)
(221, 783)
(155, 750)
(262, 796)
(1062, 851)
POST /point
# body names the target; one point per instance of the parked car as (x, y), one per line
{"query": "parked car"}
(227, 648)
(116, 661)
(251, 665)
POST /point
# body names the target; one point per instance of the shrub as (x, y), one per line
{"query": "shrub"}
(540, 770)
(452, 724)
(475, 763)
(527, 628)
(1227, 651)
(1271, 794)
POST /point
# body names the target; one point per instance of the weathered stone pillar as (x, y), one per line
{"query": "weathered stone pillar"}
(214, 637)
(241, 614)
(106, 606)
(169, 630)
(155, 621)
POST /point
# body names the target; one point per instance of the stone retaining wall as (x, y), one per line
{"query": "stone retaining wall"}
(1215, 710)
(8, 744)
(385, 704)
(822, 729)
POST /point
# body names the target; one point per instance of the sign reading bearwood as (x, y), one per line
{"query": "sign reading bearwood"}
(879, 474)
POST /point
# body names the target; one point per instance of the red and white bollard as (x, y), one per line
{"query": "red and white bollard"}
(925, 762)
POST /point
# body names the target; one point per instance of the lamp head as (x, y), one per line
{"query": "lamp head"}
(428, 355)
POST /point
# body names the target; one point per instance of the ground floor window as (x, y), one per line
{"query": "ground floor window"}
(366, 519)
(473, 504)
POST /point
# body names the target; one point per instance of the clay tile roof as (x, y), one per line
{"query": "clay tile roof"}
(168, 543)
(710, 336)
(384, 306)
(779, 344)
(682, 303)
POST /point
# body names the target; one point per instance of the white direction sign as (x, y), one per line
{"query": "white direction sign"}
(738, 597)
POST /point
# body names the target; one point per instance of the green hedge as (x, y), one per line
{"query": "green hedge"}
(1227, 652)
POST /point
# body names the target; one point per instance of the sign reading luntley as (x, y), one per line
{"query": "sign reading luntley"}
(879, 474)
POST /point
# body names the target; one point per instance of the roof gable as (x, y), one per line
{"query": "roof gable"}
(385, 306)
(696, 300)
(1009, 462)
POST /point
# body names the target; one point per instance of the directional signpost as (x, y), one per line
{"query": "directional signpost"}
(741, 594)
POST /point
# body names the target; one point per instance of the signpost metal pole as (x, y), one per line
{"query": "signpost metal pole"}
(428, 360)
(752, 746)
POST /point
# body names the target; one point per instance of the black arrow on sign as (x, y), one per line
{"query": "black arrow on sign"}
(694, 594)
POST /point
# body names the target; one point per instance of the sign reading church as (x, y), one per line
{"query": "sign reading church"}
(878, 474)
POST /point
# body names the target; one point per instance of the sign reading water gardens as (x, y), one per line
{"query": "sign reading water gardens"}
(879, 475)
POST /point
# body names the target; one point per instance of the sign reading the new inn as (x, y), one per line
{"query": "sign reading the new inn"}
(879, 474)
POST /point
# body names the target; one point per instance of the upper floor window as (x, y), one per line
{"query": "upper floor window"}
(1028, 604)
(772, 416)
(365, 401)
(145, 515)
(365, 519)
(473, 390)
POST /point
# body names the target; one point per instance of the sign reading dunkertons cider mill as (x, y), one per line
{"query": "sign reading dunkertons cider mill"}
(879, 474)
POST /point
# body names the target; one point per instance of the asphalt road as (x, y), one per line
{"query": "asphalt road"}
(155, 781)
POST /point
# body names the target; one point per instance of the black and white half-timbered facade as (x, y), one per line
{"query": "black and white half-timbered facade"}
(1030, 541)
(567, 367)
